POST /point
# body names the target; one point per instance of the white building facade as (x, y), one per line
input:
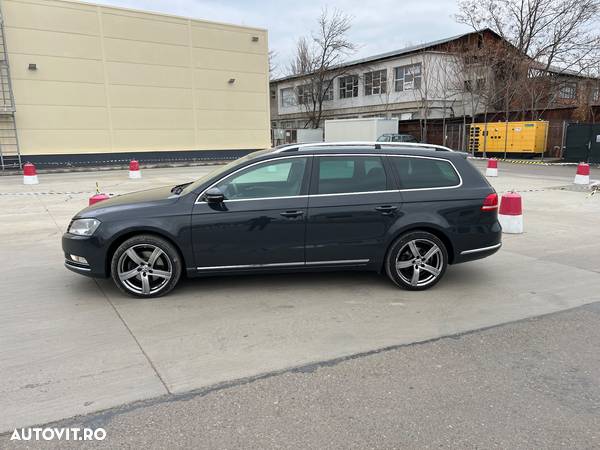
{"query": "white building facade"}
(413, 83)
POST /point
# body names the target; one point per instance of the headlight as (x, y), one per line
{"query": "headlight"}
(83, 227)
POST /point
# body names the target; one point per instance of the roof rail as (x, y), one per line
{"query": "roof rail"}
(374, 144)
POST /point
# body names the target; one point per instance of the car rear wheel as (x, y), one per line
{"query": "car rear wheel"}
(417, 260)
(146, 266)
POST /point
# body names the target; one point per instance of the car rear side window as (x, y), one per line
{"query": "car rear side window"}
(421, 173)
(347, 174)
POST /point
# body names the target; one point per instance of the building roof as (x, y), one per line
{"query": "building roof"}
(396, 53)
(560, 71)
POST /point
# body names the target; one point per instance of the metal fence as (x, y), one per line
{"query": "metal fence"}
(455, 134)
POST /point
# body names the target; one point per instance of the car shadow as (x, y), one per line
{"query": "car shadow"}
(301, 284)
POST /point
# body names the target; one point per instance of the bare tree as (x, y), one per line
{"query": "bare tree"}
(384, 88)
(470, 81)
(476, 75)
(484, 76)
(446, 85)
(273, 66)
(588, 101)
(551, 39)
(561, 33)
(422, 91)
(318, 58)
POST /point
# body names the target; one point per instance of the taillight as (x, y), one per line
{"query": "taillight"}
(490, 203)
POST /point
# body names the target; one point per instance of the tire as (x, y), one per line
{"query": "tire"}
(146, 266)
(401, 261)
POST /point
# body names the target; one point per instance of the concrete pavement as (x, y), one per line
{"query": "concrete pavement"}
(71, 345)
(528, 384)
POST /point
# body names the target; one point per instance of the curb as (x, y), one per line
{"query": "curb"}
(535, 162)
(124, 166)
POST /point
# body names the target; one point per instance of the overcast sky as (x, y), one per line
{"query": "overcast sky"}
(378, 26)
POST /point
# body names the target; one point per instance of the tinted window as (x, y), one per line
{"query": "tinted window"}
(270, 179)
(416, 173)
(406, 138)
(336, 169)
(345, 174)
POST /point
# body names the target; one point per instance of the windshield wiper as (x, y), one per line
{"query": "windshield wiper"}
(179, 188)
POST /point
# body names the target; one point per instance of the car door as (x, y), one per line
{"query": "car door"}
(262, 220)
(351, 207)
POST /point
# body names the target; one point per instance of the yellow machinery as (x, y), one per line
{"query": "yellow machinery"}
(509, 137)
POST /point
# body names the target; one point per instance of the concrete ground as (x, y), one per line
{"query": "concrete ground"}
(71, 345)
(531, 384)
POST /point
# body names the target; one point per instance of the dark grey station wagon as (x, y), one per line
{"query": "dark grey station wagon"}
(406, 210)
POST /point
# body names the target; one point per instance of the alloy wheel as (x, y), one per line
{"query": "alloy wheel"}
(144, 269)
(419, 262)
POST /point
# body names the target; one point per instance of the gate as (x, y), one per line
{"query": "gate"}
(583, 142)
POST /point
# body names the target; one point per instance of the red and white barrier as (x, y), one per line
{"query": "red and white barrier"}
(583, 174)
(29, 174)
(492, 168)
(97, 198)
(134, 169)
(510, 215)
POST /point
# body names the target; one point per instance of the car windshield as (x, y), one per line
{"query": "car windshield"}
(220, 169)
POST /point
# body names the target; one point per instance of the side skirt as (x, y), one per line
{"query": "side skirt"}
(311, 266)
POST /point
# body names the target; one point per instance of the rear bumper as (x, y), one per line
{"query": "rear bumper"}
(477, 253)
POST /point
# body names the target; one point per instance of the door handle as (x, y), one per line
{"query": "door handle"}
(291, 213)
(386, 210)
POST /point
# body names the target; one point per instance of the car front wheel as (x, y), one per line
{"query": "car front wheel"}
(146, 266)
(417, 260)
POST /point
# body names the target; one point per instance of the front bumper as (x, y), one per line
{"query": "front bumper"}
(89, 248)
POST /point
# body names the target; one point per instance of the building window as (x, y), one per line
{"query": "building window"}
(304, 94)
(568, 91)
(407, 77)
(349, 86)
(305, 97)
(475, 85)
(328, 88)
(288, 97)
(376, 82)
(596, 94)
(273, 94)
(404, 115)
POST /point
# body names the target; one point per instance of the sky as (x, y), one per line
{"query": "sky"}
(377, 26)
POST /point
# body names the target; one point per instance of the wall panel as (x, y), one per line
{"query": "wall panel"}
(111, 79)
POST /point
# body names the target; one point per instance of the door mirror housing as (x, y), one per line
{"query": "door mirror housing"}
(214, 195)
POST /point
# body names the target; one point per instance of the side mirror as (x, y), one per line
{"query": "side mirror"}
(214, 195)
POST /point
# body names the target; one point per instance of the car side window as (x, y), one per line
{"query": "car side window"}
(420, 173)
(281, 178)
(347, 174)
